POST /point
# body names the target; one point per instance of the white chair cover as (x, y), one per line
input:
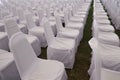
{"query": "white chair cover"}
(29, 66)
(105, 37)
(109, 58)
(8, 70)
(4, 41)
(36, 31)
(12, 28)
(60, 49)
(65, 32)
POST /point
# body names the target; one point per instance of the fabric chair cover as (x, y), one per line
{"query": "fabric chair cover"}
(58, 48)
(36, 31)
(7, 66)
(4, 41)
(105, 37)
(29, 66)
(65, 32)
(12, 28)
(102, 55)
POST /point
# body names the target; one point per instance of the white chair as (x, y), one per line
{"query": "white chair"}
(49, 15)
(52, 23)
(21, 16)
(80, 11)
(7, 66)
(29, 66)
(73, 25)
(12, 28)
(78, 19)
(66, 32)
(105, 37)
(22, 22)
(60, 49)
(36, 31)
(100, 71)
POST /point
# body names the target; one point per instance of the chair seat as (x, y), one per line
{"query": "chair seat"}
(52, 18)
(82, 13)
(40, 34)
(109, 38)
(103, 21)
(74, 19)
(66, 34)
(59, 43)
(79, 16)
(5, 59)
(102, 13)
(63, 50)
(106, 28)
(46, 70)
(109, 74)
(102, 17)
(74, 25)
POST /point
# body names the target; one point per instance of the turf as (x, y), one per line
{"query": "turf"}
(82, 59)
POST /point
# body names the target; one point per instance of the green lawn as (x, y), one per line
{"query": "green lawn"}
(82, 62)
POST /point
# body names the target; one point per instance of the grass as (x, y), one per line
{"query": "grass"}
(82, 59)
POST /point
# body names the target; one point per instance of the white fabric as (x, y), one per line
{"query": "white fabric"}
(35, 43)
(36, 31)
(23, 28)
(105, 37)
(106, 28)
(61, 49)
(53, 25)
(4, 41)
(66, 32)
(12, 28)
(113, 11)
(74, 25)
(8, 70)
(109, 56)
(29, 66)
(2, 27)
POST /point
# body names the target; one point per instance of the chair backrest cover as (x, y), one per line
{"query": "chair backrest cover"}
(96, 57)
(48, 12)
(29, 19)
(21, 14)
(48, 31)
(66, 17)
(11, 27)
(98, 63)
(95, 29)
(23, 53)
(58, 23)
(40, 13)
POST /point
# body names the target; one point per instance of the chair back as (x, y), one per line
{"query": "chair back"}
(29, 19)
(11, 27)
(58, 23)
(48, 31)
(23, 52)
